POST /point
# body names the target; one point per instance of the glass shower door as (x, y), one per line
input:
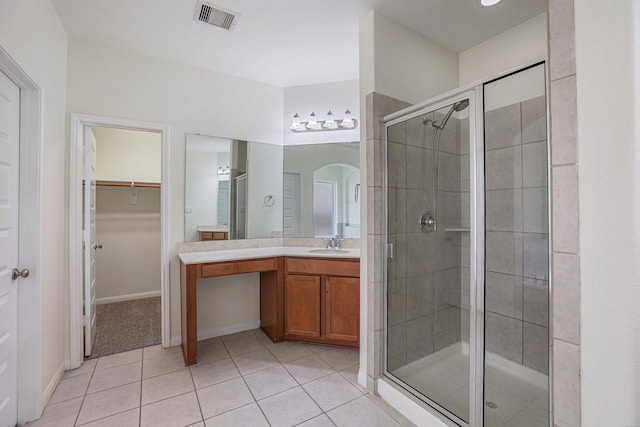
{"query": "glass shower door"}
(428, 275)
(517, 251)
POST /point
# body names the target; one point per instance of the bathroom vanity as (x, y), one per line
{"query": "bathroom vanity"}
(306, 294)
(213, 232)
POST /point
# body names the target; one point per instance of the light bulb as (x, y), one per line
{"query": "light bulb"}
(295, 123)
(347, 121)
(330, 123)
(313, 122)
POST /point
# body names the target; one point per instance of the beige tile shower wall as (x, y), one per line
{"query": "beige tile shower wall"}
(517, 279)
(565, 219)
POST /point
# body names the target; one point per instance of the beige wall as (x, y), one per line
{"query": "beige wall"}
(31, 31)
(264, 163)
(401, 63)
(515, 47)
(129, 261)
(608, 158)
(128, 155)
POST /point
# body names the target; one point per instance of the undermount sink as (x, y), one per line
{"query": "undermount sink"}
(328, 251)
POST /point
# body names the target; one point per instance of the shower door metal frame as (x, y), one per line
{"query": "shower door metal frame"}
(476, 241)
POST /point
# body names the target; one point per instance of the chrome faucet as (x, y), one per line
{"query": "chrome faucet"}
(334, 242)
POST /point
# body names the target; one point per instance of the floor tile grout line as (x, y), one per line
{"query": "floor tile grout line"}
(245, 383)
(193, 382)
(105, 417)
(75, 422)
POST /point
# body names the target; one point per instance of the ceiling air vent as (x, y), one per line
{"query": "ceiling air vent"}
(216, 16)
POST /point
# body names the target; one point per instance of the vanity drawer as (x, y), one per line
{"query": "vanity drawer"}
(239, 267)
(333, 267)
(214, 235)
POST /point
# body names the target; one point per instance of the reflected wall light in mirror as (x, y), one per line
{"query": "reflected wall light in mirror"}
(330, 123)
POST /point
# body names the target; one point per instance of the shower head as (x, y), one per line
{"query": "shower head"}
(461, 105)
(458, 106)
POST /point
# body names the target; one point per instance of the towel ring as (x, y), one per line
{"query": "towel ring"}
(269, 201)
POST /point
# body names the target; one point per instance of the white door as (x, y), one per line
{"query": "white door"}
(9, 182)
(324, 209)
(90, 245)
(291, 205)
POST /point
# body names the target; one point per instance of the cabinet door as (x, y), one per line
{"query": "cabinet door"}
(342, 306)
(302, 305)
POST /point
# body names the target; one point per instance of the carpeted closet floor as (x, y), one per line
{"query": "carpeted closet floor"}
(126, 325)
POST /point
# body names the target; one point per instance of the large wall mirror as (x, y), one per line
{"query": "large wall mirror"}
(247, 190)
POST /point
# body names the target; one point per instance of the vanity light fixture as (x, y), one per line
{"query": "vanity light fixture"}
(330, 123)
(489, 2)
(223, 171)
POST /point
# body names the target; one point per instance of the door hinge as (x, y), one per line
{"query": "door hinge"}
(389, 250)
(85, 320)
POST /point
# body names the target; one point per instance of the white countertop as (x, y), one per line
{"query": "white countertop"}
(251, 253)
(213, 227)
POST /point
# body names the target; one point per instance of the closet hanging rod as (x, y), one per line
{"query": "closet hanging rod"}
(127, 184)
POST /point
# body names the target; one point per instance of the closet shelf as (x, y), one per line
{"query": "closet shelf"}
(127, 184)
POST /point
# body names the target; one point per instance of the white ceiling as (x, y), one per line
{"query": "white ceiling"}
(281, 42)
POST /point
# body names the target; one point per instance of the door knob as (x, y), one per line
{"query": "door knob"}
(96, 246)
(17, 273)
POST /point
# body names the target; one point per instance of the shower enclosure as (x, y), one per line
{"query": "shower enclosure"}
(467, 273)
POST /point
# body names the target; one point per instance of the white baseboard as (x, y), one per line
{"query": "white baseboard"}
(407, 407)
(129, 297)
(362, 378)
(51, 387)
(174, 341)
(220, 331)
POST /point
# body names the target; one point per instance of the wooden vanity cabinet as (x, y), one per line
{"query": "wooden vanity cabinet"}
(322, 301)
(302, 305)
(342, 308)
(213, 235)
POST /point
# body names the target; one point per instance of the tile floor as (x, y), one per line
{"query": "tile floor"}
(240, 380)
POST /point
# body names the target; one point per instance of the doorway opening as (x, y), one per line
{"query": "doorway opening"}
(119, 240)
(124, 251)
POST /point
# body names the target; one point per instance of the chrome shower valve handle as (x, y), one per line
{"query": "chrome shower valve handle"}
(426, 222)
